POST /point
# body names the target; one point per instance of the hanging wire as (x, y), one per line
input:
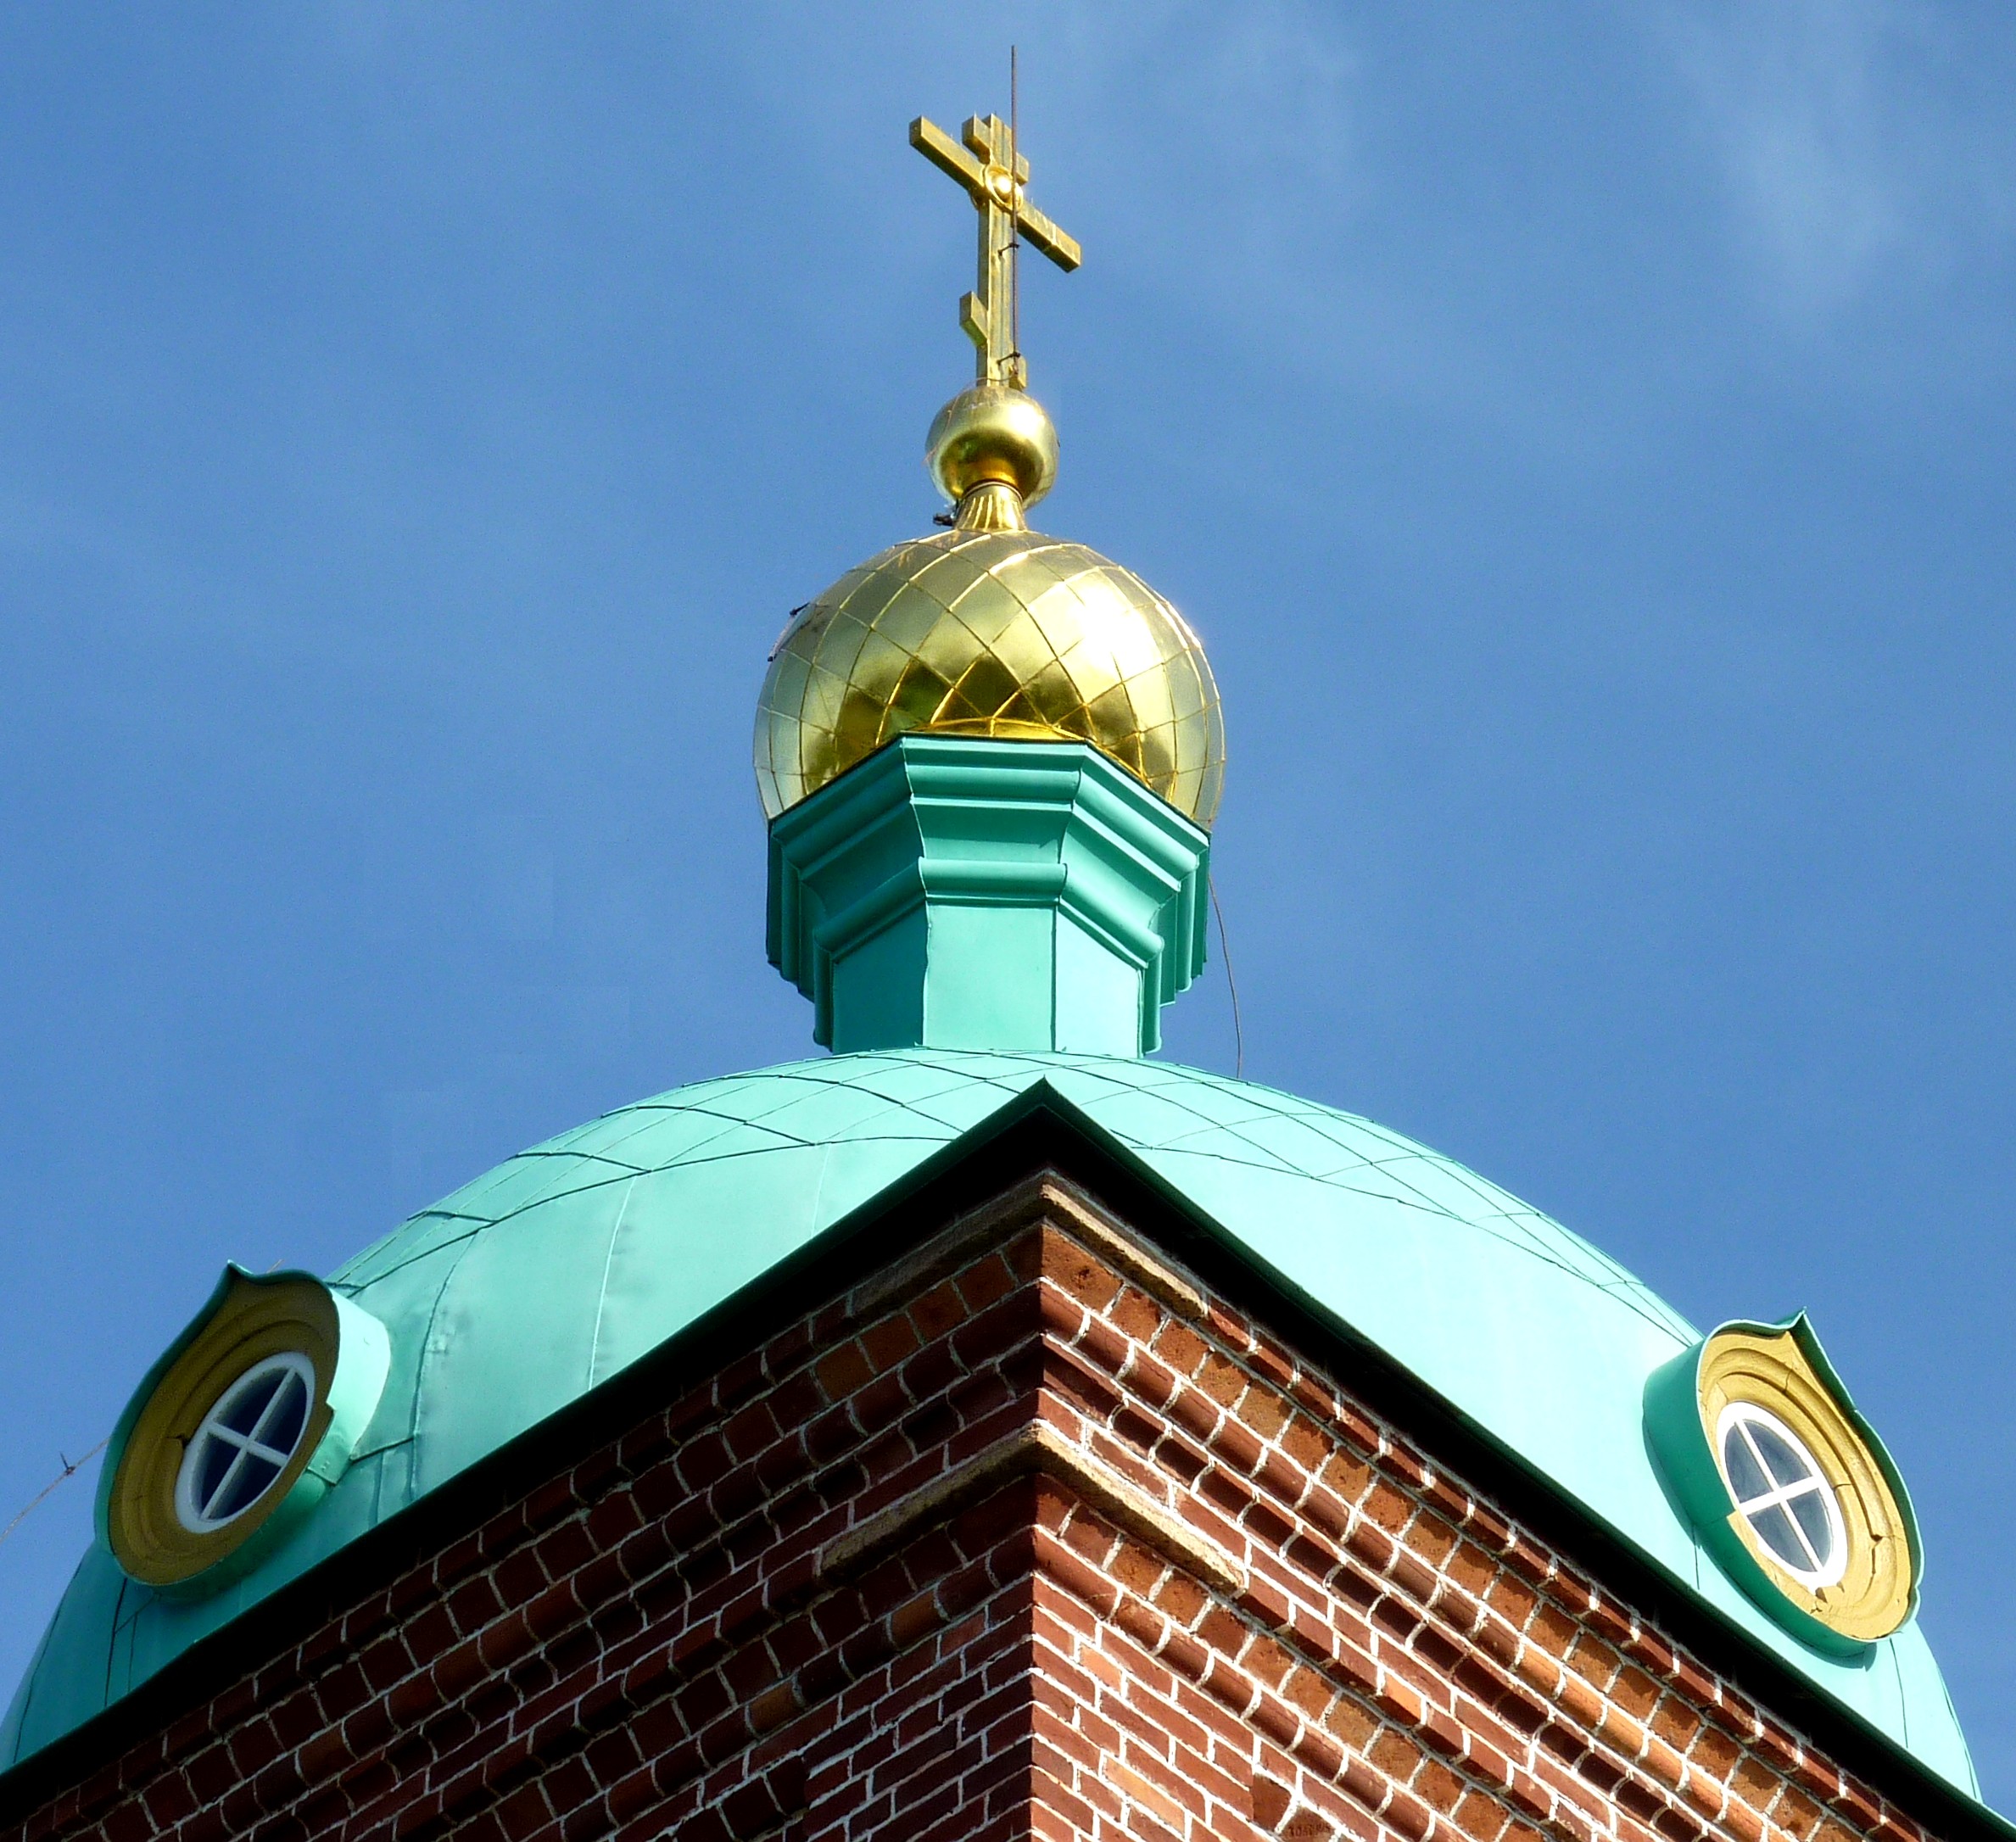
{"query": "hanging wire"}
(1015, 166)
(1231, 984)
(70, 1469)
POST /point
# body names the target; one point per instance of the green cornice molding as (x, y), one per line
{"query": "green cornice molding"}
(958, 892)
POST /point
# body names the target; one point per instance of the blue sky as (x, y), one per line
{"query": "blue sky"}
(1581, 434)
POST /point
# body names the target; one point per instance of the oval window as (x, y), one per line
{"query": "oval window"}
(1787, 1486)
(1779, 1489)
(244, 1442)
(242, 1427)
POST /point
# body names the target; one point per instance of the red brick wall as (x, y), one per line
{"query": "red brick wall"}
(1026, 1536)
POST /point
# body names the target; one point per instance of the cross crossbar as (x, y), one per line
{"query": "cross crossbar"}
(991, 168)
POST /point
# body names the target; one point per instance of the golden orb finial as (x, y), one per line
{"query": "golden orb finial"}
(992, 451)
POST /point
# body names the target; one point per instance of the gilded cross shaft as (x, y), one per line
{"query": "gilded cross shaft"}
(991, 169)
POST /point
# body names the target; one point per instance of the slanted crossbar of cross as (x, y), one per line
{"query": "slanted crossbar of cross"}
(992, 170)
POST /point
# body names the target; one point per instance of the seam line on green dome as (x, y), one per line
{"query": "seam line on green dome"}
(1524, 1230)
(1626, 1296)
(615, 1230)
(423, 1361)
(342, 1276)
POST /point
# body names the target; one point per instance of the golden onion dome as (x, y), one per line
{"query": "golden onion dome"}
(993, 633)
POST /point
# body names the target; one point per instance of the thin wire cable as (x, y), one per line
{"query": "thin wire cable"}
(1231, 984)
(1014, 165)
(54, 1484)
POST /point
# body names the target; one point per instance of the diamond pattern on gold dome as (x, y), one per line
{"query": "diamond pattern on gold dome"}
(991, 633)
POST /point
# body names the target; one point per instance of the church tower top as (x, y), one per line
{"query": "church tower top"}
(596, 1495)
(990, 759)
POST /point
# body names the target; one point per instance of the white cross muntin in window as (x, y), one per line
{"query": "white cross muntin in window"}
(1772, 1449)
(263, 1449)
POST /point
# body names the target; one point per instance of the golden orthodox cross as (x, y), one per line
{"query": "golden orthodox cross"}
(994, 173)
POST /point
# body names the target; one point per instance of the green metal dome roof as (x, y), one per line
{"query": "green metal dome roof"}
(524, 1289)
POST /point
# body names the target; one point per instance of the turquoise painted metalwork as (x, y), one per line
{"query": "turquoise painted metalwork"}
(1686, 1459)
(519, 1291)
(959, 893)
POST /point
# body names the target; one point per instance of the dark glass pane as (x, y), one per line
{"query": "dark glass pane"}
(1746, 1478)
(1787, 1464)
(246, 1488)
(1774, 1528)
(213, 1460)
(1813, 1518)
(282, 1427)
(241, 1413)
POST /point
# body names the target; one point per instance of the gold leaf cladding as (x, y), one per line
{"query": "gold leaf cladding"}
(991, 633)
